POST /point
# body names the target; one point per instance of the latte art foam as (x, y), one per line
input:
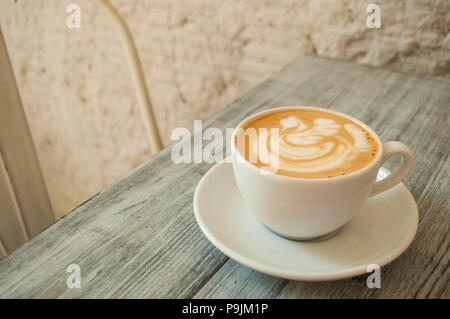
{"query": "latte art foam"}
(309, 144)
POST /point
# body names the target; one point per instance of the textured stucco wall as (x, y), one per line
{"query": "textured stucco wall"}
(198, 55)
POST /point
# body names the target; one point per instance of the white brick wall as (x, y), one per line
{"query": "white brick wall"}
(198, 55)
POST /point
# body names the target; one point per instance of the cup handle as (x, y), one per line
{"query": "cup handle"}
(391, 149)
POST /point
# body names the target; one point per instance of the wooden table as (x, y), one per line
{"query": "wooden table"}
(139, 238)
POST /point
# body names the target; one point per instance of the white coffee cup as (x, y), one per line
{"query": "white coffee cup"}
(307, 208)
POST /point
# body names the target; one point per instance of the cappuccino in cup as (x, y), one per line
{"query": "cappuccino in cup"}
(305, 171)
(307, 143)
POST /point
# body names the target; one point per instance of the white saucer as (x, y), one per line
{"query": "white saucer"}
(378, 234)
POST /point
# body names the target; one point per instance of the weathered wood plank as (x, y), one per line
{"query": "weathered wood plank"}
(138, 238)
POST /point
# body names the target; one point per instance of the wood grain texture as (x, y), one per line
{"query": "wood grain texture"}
(138, 237)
